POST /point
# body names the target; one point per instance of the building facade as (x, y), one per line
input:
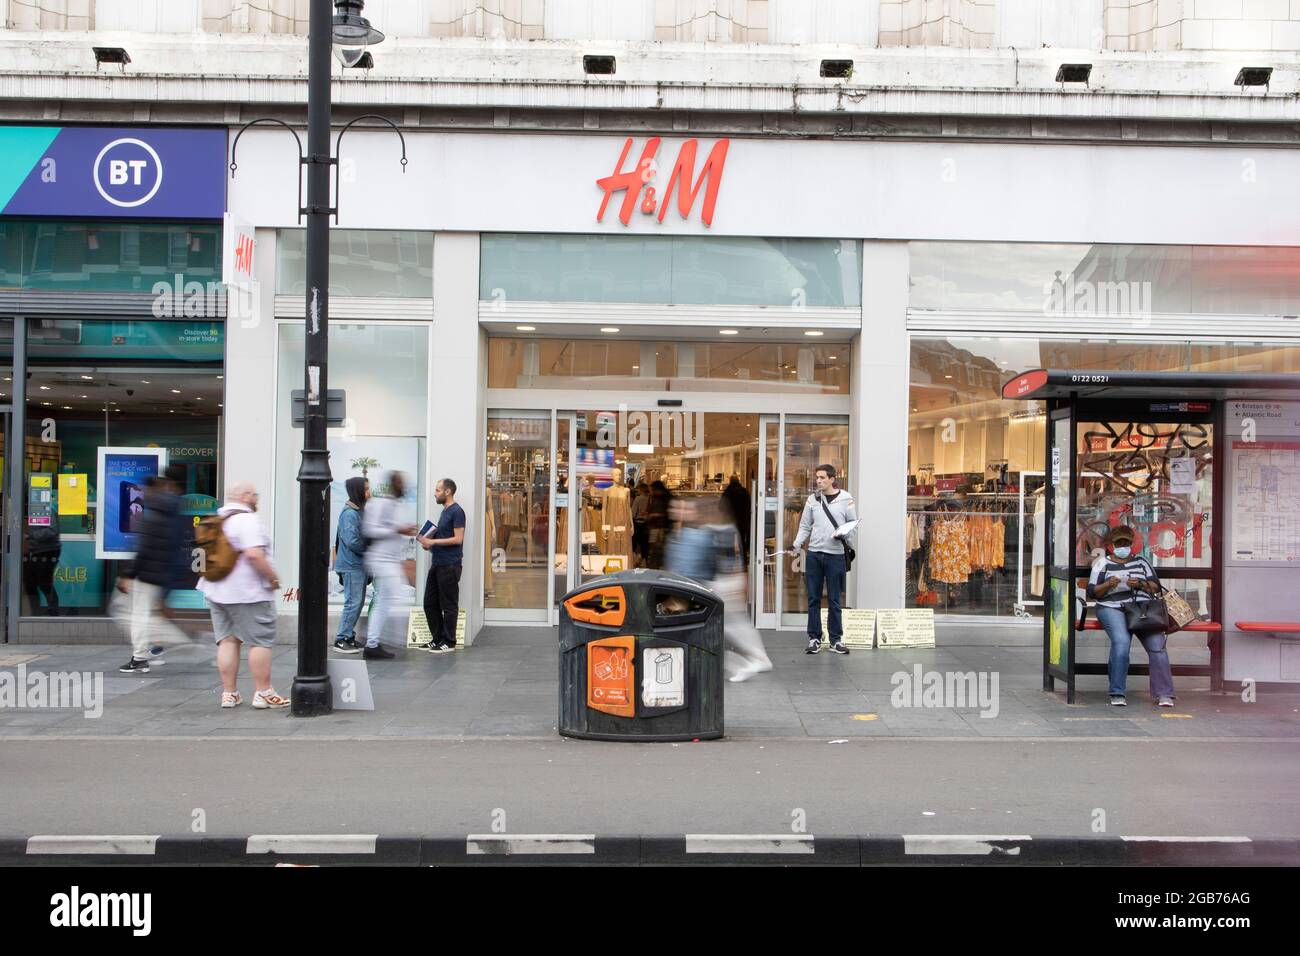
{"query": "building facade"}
(731, 256)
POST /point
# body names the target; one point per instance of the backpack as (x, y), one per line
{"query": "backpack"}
(219, 555)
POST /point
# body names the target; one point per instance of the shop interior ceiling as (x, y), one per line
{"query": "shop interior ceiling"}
(153, 391)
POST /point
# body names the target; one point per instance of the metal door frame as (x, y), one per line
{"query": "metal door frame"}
(758, 537)
(525, 616)
(571, 416)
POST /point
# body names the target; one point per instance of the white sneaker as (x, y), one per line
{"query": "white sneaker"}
(269, 700)
(1118, 701)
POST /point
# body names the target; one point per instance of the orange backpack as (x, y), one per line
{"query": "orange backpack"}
(219, 555)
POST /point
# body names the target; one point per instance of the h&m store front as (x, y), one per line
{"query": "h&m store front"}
(550, 355)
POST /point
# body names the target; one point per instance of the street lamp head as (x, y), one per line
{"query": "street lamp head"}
(351, 29)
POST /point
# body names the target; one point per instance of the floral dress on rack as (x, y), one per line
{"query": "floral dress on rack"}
(950, 551)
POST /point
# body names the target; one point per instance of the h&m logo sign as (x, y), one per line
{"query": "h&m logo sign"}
(128, 172)
(638, 183)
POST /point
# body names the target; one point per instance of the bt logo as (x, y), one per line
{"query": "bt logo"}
(128, 172)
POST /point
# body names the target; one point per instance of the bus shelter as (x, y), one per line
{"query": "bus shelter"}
(1205, 467)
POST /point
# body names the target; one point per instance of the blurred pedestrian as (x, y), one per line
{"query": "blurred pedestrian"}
(160, 566)
(387, 529)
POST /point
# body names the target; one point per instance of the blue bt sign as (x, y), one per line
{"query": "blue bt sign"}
(158, 173)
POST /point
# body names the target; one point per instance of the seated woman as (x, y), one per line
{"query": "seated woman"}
(1119, 576)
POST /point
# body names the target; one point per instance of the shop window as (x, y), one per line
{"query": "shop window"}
(659, 366)
(385, 371)
(976, 468)
(167, 395)
(107, 256)
(378, 263)
(1056, 279)
(677, 270)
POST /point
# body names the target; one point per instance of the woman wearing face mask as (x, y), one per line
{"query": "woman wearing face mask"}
(1118, 576)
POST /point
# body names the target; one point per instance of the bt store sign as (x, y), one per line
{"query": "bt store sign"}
(90, 171)
(131, 170)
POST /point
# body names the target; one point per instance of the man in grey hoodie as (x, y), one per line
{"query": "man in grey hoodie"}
(826, 556)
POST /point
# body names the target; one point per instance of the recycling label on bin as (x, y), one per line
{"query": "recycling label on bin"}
(611, 676)
(663, 676)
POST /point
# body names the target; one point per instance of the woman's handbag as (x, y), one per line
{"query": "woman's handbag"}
(1146, 617)
(1180, 612)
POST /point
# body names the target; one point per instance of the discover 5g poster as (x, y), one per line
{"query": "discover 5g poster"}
(120, 495)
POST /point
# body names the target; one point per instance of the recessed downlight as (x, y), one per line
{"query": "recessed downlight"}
(609, 328)
(525, 328)
(814, 333)
(728, 331)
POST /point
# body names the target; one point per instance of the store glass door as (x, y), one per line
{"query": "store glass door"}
(518, 518)
(767, 564)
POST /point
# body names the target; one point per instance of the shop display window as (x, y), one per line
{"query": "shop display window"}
(155, 388)
(976, 466)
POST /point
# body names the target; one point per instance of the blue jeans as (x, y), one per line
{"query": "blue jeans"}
(1121, 641)
(354, 598)
(828, 568)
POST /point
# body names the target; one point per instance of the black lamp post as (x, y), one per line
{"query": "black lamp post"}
(352, 33)
(312, 694)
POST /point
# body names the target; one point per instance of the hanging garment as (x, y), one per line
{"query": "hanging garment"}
(1038, 561)
(950, 551)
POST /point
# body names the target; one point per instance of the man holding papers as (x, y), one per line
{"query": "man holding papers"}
(445, 543)
(828, 525)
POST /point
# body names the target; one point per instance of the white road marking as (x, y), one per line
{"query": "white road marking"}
(506, 844)
(749, 843)
(359, 843)
(100, 845)
(952, 844)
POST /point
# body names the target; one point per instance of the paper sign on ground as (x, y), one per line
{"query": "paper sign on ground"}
(905, 627)
(859, 627)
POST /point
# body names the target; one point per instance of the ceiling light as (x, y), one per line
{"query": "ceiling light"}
(221, 376)
(832, 357)
(145, 381)
(728, 331)
(88, 378)
(177, 391)
(47, 403)
(85, 396)
(635, 367)
(814, 332)
(525, 328)
(44, 388)
(947, 376)
(609, 328)
(67, 408)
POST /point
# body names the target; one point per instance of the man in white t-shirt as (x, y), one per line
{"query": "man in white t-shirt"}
(243, 602)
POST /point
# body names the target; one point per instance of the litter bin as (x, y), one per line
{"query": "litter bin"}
(641, 659)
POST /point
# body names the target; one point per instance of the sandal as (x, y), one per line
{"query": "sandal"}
(269, 701)
(231, 699)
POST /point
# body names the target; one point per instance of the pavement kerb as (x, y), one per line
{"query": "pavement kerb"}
(559, 849)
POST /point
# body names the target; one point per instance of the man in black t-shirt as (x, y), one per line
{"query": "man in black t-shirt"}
(446, 547)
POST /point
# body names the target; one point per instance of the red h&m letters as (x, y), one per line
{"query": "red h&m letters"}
(631, 182)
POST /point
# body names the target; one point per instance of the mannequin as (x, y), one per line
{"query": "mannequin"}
(618, 517)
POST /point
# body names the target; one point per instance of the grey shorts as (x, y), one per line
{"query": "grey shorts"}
(254, 624)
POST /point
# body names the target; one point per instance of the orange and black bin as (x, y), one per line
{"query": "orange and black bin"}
(641, 659)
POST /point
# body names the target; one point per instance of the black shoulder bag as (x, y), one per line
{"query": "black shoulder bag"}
(849, 553)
